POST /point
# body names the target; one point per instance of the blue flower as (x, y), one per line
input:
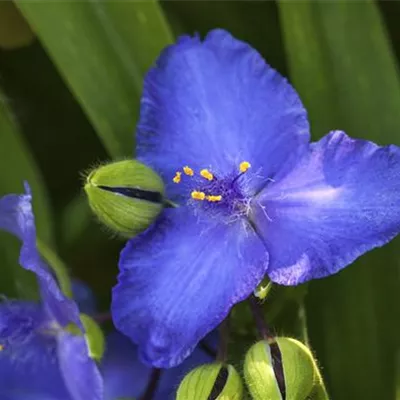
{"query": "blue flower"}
(37, 355)
(230, 137)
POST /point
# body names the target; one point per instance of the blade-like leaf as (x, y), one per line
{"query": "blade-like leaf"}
(342, 64)
(102, 49)
(17, 165)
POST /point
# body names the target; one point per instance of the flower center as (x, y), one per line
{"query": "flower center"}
(210, 191)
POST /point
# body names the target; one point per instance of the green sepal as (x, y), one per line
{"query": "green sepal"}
(94, 337)
(259, 373)
(301, 375)
(93, 334)
(125, 215)
(202, 383)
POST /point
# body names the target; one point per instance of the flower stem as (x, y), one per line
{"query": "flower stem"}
(267, 335)
(152, 384)
(262, 326)
(222, 354)
(101, 318)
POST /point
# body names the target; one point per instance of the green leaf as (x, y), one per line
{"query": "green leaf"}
(17, 165)
(102, 50)
(341, 63)
(251, 21)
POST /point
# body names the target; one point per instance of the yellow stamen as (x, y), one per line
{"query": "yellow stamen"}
(188, 171)
(1, 347)
(244, 166)
(214, 198)
(198, 195)
(177, 177)
(205, 173)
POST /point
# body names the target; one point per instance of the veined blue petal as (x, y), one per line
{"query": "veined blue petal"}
(16, 217)
(339, 202)
(179, 279)
(28, 360)
(215, 103)
(84, 297)
(124, 375)
(172, 377)
(81, 375)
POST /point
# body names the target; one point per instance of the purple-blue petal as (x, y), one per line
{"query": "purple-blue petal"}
(28, 360)
(179, 279)
(126, 377)
(339, 202)
(84, 297)
(16, 217)
(215, 103)
(172, 377)
(81, 375)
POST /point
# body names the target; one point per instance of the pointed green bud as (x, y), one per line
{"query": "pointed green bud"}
(126, 196)
(297, 373)
(211, 382)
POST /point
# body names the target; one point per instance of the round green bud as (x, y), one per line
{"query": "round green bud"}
(126, 196)
(215, 381)
(299, 370)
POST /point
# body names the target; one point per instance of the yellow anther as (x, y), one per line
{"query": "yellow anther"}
(198, 195)
(244, 166)
(205, 173)
(177, 177)
(214, 198)
(188, 171)
(1, 347)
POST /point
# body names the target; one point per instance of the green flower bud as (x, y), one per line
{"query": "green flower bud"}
(211, 382)
(300, 372)
(126, 196)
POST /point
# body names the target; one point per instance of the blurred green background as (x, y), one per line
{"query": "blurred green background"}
(70, 83)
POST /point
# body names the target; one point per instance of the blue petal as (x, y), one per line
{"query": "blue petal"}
(179, 280)
(339, 202)
(124, 375)
(84, 297)
(81, 375)
(28, 361)
(215, 103)
(172, 377)
(16, 217)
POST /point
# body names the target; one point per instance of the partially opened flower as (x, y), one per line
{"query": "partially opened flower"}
(37, 353)
(230, 138)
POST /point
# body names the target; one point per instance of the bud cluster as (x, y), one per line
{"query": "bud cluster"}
(277, 369)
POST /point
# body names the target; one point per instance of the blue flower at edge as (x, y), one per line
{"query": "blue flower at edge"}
(34, 345)
(38, 361)
(302, 211)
